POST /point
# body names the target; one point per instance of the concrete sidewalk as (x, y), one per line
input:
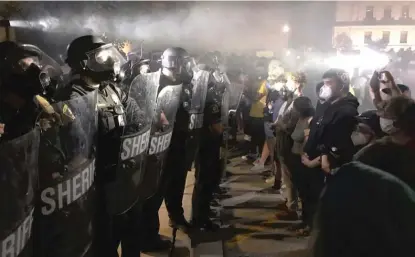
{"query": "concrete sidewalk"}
(250, 212)
(183, 242)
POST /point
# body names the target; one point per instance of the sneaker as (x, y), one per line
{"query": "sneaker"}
(257, 162)
(258, 167)
(270, 180)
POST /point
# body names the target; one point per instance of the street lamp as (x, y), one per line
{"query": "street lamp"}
(286, 28)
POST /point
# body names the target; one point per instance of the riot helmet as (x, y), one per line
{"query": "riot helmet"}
(177, 64)
(24, 74)
(92, 57)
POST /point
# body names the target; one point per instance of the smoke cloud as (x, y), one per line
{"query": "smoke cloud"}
(226, 26)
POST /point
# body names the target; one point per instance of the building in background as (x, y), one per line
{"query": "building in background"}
(311, 24)
(392, 23)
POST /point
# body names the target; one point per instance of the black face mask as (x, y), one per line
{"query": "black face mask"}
(285, 93)
(101, 76)
(31, 82)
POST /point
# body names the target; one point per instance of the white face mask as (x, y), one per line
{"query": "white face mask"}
(291, 85)
(358, 138)
(325, 92)
(387, 126)
(277, 86)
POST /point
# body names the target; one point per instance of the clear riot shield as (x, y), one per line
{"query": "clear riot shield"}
(163, 103)
(235, 95)
(124, 191)
(19, 171)
(197, 106)
(66, 205)
(200, 84)
(51, 72)
(230, 101)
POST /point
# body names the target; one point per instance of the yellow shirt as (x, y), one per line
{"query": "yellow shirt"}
(257, 108)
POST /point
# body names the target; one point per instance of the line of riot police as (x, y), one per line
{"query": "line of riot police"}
(85, 166)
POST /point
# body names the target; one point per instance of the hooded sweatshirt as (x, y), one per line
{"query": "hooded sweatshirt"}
(364, 212)
(330, 133)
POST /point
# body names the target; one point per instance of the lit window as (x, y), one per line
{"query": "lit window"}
(405, 12)
(369, 12)
(368, 37)
(386, 36)
(404, 37)
(387, 12)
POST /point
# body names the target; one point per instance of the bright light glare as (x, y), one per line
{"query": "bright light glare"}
(347, 63)
(44, 24)
(286, 28)
(19, 24)
(287, 53)
(368, 59)
(47, 24)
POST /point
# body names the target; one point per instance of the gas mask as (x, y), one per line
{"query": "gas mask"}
(277, 86)
(33, 81)
(325, 93)
(104, 63)
(286, 93)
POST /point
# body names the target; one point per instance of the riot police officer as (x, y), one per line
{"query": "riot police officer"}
(208, 168)
(21, 79)
(23, 85)
(173, 89)
(95, 67)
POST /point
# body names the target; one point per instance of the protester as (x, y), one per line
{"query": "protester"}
(305, 110)
(364, 212)
(394, 153)
(284, 126)
(271, 110)
(330, 135)
(367, 130)
(256, 116)
(337, 123)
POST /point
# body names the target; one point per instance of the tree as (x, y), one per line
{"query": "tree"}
(378, 45)
(343, 42)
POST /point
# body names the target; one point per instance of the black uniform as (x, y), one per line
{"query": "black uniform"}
(149, 223)
(177, 164)
(208, 168)
(19, 148)
(110, 230)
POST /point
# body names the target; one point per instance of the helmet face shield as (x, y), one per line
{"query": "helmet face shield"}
(25, 63)
(172, 62)
(105, 58)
